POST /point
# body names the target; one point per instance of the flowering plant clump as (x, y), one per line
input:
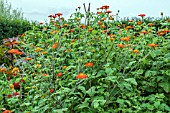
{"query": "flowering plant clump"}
(100, 65)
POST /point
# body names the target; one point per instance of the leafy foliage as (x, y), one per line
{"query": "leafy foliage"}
(67, 66)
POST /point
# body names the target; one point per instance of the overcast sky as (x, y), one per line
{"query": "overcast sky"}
(40, 9)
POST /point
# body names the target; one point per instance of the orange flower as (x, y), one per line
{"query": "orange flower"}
(45, 75)
(65, 25)
(129, 27)
(51, 90)
(45, 52)
(11, 86)
(100, 23)
(98, 13)
(41, 22)
(64, 67)
(89, 64)
(81, 76)
(111, 35)
(59, 74)
(105, 7)
(136, 51)
(142, 15)
(7, 111)
(107, 12)
(139, 22)
(151, 24)
(110, 18)
(152, 45)
(71, 30)
(59, 14)
(54, 45)
(12, 51)
(102, 19)
(121, 45)
(102, 26)
(2, 69)
(78, 19)
(18, 53)
(144, 32)
(14, 70)
(27, 59)
(125, 39)
(38, 49)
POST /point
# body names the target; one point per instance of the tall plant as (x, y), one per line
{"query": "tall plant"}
(7, 11)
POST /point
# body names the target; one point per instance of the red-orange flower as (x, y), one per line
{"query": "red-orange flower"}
(81, 76)
(121, 45)
(45, 75)
(59, 74)
(107, 12)
(14, 51)
(142, 15)
(152, 45)
(16, 94)
(100, 23)
(139, 22)
(16, 85)
(98, 12)
(105, 7)
(71, 30)
(54, 46)
(7, 111)
(50, 16)
(59, 14)
(51, 90)
(27, 59)
(41, 22)
(89, 64)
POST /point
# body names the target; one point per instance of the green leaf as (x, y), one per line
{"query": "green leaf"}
(91, 91)
(82, 88)
(140, 71)
(156, 104)
(95, 104)
(165, 86)
(131, 80)
(109, 71)
(60, 110)
(120, 101)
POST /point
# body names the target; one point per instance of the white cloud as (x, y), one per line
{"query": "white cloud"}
(130, 8)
